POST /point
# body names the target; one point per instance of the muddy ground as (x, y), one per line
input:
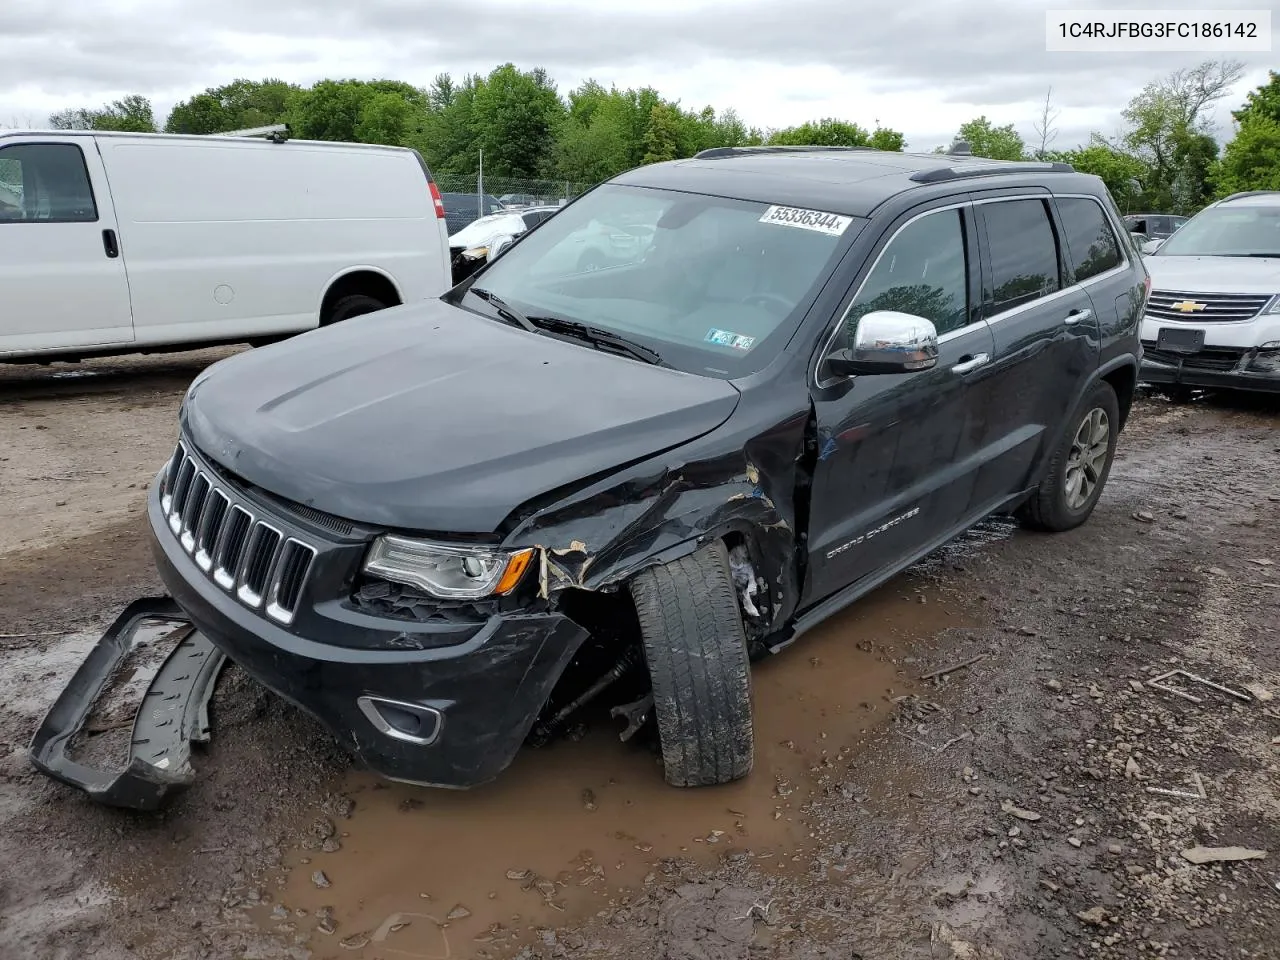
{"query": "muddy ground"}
(1009, 808)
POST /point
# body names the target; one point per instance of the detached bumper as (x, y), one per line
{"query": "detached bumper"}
(1221, 368)
(452, 716)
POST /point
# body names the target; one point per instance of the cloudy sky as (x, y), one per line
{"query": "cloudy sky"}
(920, 66)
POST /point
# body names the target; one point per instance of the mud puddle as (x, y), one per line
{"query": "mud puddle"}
(569, 830)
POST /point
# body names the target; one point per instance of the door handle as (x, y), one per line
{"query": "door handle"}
(973, 363)
(1078, 316)
(109, 244)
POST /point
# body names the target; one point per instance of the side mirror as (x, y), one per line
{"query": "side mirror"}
(497, 246)
(1151, 246)
(886, 341)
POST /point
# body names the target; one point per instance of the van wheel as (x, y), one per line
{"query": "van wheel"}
(698, 663)
(352, 305)
(1080, 465)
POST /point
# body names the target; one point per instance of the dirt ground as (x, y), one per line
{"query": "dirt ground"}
(1041, 800)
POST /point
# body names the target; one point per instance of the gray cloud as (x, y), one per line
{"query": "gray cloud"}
(984, 52)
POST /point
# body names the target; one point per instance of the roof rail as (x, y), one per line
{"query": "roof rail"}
(1250, 193)
(715, 153)
(938, 174)
(276, 132)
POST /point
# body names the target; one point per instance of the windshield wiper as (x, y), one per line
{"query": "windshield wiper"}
(599, 338)
(504, 309)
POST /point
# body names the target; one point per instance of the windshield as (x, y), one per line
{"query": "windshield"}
(709, 284)
(1227, 232)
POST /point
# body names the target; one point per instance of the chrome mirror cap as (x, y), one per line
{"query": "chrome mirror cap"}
(887, 341)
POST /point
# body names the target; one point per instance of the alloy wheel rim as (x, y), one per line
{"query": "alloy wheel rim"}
(1088, 457)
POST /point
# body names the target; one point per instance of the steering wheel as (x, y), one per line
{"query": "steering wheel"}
(765, 298)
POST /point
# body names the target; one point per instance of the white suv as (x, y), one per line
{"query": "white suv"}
(1213, 318)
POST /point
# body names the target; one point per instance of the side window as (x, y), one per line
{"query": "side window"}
(922, 271)
(1024, 253)
(1089, 237)
(45, 182)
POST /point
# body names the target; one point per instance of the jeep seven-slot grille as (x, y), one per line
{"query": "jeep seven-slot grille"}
(239, 549)
(1204, 307)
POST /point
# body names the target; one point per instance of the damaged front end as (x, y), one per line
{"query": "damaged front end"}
(111, 693)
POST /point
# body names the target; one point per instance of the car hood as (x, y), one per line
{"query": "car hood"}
(431, 418)
(480, 232)
(1214, 274)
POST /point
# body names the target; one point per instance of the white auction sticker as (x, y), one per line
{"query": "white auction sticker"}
(832, 224)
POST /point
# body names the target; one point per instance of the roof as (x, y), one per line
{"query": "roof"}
(1254, 198)
(850, 181)
(197, 138)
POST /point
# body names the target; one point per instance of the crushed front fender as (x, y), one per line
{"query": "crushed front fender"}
(173, 713)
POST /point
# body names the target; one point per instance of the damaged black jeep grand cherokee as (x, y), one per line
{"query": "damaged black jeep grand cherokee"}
(799, 371)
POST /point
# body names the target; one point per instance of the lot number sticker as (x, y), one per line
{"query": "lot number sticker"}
(832, 224)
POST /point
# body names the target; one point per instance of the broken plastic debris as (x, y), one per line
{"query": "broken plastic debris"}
(1028, 815)
(1222, 854)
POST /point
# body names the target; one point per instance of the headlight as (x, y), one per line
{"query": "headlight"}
(445, 571)
(1274, 306)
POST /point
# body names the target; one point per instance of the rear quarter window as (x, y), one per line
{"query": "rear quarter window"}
(1091, 242)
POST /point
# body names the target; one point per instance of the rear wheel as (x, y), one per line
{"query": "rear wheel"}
(352, 305)
(1080, 465)
(698, 662)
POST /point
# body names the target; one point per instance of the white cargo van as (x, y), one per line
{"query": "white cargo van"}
(120, 243)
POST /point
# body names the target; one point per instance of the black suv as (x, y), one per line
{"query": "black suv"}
(444, 527)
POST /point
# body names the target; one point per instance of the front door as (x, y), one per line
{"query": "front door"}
(62, 272)
(899, 453)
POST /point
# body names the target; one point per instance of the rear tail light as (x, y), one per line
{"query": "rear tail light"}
(437, 200)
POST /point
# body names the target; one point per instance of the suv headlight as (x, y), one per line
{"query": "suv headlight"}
(446, 571)
(1274, 305)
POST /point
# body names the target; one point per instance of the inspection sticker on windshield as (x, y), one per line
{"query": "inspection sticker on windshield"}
(832, 224)
(727, 338)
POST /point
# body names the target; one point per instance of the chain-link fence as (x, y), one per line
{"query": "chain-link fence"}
(513, 191)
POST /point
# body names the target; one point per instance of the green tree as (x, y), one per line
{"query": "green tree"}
(1264, 101)
(132, 114)
(448, 139)
(1169, 131)
(661, 137)
(1119, 171)
(336, 110)
(828, 132)
(883, 138)
(992, 142)
(1251, 161)
(233, 106)
(516, 116)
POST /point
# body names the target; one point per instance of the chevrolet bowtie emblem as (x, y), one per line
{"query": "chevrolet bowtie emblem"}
(1188, 306)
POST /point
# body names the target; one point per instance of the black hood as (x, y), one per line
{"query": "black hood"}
(428, 417)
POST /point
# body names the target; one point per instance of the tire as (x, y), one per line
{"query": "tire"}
(352, 305)
(698, 662)
(1055, 507)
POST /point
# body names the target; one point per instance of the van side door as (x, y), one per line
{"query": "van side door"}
(1046, 333)
(899, 454)
(62, 271)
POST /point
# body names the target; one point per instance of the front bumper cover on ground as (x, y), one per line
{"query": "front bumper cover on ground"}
(173, 714)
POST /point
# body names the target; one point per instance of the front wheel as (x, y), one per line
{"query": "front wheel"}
(698, 662)
(1080, 465)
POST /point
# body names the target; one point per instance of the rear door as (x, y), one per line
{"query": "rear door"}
(62, 272)
(1045, 329)
(899, 454)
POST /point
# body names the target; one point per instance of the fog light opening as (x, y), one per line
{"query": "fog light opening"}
(408, 722)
